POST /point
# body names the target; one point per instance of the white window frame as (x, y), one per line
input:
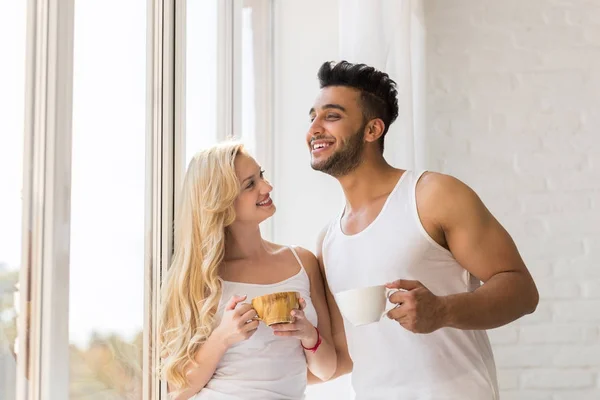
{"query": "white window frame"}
(44, 353)
(165, 157)
(43, 363)
(166, 132)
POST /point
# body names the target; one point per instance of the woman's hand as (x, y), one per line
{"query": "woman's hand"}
(301, 328)
(238, 323)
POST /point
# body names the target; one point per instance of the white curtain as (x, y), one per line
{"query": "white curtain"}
(390, 35)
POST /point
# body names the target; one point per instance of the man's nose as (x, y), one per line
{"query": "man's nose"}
(315, 128)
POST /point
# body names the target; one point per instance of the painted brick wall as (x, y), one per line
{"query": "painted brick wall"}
(513, 106)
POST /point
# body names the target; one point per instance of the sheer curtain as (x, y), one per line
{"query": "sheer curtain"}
(390, 35)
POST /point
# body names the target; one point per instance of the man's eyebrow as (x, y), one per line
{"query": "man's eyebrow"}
(336, 106)
(326, 106)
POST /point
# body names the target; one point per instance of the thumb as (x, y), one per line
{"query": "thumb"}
(233, 302)
(403, 284)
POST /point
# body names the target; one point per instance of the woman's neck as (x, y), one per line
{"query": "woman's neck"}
(243, 242)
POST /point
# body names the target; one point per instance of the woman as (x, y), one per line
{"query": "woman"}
(214, 347)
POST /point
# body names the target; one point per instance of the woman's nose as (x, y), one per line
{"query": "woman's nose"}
(266, 187)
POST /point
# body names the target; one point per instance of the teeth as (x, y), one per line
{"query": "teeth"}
(319, 145)
(262, 203)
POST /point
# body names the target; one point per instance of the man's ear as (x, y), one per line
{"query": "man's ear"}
(374, 130)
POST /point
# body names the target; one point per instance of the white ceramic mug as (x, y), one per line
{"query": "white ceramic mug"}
(366, 305)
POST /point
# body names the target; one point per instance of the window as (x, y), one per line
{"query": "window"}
(12, 82)
(228, 77)
(106, 299)
(201, 76)
(121, 194)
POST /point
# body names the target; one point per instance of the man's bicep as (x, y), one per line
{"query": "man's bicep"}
(477, 240)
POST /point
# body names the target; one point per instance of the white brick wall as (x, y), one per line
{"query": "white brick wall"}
(513, 104)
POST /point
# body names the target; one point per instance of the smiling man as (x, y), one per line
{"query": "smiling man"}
(425, 233)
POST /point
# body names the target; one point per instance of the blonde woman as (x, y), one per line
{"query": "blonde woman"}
(213, 348)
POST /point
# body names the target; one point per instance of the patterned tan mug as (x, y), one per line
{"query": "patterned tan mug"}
(276, 308)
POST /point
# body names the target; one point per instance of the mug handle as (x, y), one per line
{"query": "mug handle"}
(388, 293)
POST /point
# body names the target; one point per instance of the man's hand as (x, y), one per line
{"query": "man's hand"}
(418, 310)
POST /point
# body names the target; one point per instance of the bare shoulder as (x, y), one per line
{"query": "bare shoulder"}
(436, 183)
(444, 202)
(309, 260)
(441, 195)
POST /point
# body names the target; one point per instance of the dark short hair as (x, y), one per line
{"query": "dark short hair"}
(378, 94)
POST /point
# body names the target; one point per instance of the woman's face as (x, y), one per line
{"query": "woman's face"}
(254, 204)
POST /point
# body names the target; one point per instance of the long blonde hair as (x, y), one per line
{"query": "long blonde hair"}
(192, 289)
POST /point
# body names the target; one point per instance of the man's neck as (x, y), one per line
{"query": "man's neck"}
(370, 180)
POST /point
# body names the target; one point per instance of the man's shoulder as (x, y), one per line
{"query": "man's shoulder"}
(325, 230)
(442, 187)
(439, 182)
(439, 196)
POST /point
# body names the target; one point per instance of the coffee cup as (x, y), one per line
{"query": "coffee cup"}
(365, 305)
(276, 308)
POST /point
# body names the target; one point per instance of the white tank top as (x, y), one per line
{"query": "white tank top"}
(265, 366)
(391, 362)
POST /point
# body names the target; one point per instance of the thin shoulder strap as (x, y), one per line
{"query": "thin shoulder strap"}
(297, 257)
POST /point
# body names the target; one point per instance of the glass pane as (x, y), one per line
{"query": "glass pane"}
(107, 221)
(12, 106)
(254, 60)
(248, 128)
(201, 75)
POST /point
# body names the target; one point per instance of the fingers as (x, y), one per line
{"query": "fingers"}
(397, 313)
(250, 326)
(233, 302)
(243, 309)
(302, 303)
(405, 316)
(298, 314)
(248, 315)
(285, 327)
(286, 334)
(401, 297)
(404, 284)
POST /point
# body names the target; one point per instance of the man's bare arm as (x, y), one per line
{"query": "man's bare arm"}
(457, 219)
(484, 248)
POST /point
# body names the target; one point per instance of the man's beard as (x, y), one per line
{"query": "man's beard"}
(345, 160)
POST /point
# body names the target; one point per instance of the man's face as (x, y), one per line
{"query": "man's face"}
(335, 137)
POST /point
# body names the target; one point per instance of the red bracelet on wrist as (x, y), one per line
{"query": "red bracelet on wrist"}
(316, 346)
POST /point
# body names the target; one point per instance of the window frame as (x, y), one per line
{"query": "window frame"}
(43, 369)
(43, 365)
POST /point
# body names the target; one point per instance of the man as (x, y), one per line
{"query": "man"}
(427, 234)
